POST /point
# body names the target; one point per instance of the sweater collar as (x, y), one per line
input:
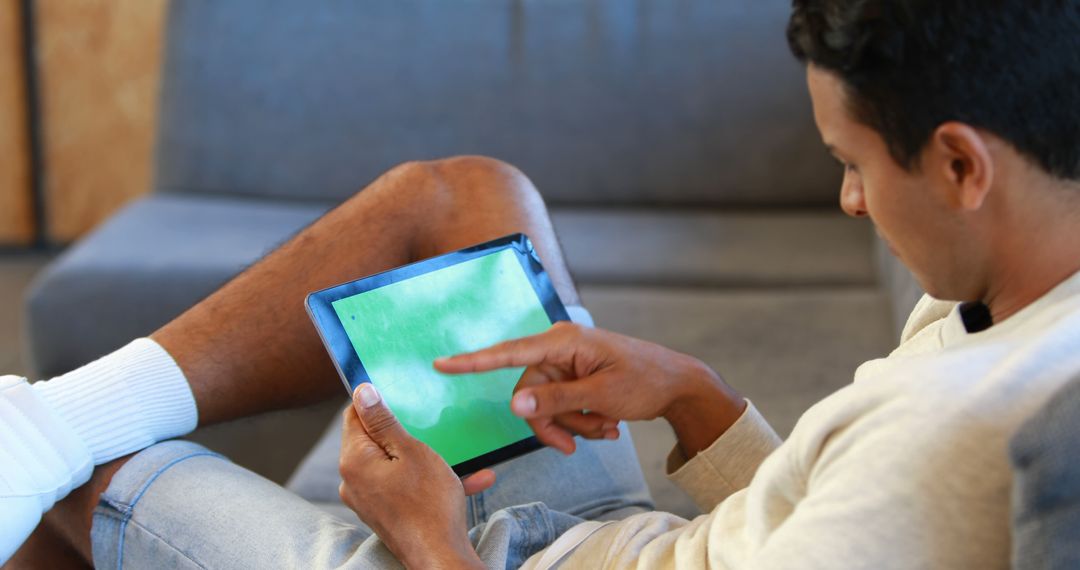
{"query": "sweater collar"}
(972, 320)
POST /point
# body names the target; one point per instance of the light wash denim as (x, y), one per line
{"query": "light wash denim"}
(177, 504)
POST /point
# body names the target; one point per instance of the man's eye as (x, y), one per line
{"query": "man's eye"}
(850, 168)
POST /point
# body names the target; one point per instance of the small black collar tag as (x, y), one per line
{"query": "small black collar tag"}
(976, 316)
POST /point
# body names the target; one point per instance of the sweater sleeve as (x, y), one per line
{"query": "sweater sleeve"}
(905, 484)
(728, 464)
(883, 487)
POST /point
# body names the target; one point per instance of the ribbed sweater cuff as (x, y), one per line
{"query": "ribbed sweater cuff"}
(728, 464)
(125, 401)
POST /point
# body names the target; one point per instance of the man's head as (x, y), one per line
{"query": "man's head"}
(940, 109)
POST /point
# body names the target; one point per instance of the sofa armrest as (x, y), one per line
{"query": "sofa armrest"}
(1045, 453)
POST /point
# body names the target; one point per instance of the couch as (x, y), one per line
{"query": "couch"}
(673, 141)
(1046, 492)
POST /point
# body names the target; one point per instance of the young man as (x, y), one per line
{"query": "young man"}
(958, 124)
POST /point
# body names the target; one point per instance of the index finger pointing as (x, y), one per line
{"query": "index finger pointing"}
(527, 351)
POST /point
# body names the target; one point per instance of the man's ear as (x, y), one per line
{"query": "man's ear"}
(963, 157)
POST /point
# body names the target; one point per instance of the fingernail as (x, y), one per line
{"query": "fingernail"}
(523, 404)
(612, 434)
(442, 360)
(369, 396)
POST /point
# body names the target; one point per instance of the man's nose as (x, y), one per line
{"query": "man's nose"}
(852, 200)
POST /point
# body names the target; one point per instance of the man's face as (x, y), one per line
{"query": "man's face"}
(905, 207)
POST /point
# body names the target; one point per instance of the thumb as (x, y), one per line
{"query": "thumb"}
(546, 400)
(378, 421)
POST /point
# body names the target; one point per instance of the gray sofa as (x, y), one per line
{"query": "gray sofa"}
(673, 141)
(1046, 493)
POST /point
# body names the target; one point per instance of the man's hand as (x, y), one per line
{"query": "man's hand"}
(403, 490)
(582, 380)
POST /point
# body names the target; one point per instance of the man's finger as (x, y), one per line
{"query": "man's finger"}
(357, 447)
(527, 351)
(512, 353)
(378, 421)
(553, 435)
(548, 400)
(591, 426)
(480, 481)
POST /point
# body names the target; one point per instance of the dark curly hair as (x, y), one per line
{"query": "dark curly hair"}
(1011, 67)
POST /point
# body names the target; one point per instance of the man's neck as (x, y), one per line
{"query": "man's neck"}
(1010, 302)
(1033, 260)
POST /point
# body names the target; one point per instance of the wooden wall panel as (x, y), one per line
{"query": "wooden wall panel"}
(99, 63)
(16, 214)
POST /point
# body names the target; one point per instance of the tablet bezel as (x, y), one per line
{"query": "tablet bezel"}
(347, 361)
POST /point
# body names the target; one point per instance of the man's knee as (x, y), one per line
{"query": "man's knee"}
(462, 179)
(474, 167)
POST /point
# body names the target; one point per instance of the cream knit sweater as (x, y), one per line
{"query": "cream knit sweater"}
(905, 468)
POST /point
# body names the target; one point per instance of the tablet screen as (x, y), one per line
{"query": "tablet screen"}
(398, 329)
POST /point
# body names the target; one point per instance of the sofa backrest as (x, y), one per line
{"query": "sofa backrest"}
(681, 102)
(1045, 454)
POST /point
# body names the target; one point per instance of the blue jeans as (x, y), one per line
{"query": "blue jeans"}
(177, 504)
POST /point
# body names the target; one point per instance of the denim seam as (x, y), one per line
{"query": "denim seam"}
(479, 510)
(168, 544)
(532, 527)
(127, 510)
(520, 546)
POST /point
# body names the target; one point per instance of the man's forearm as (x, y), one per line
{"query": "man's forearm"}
(704, 410)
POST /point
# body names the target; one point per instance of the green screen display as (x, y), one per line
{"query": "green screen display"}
(398, 330)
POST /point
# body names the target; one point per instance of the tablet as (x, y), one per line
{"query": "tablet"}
(389, 328)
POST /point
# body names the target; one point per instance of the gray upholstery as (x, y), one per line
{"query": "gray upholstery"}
(601, 101)
(692, 194)
(163, 253)
(716, 248)
(646, 103)
(145, 266)
(1046, 510)
(902, 288)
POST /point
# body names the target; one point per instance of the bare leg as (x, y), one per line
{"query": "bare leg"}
(250, 347)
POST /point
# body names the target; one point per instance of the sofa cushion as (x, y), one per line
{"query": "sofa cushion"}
(163, 253)
(608, 101)
(716, 247)
(1046, 494)
(143, 267)
(900, 284)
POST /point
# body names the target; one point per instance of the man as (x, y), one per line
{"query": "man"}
(958, 124)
